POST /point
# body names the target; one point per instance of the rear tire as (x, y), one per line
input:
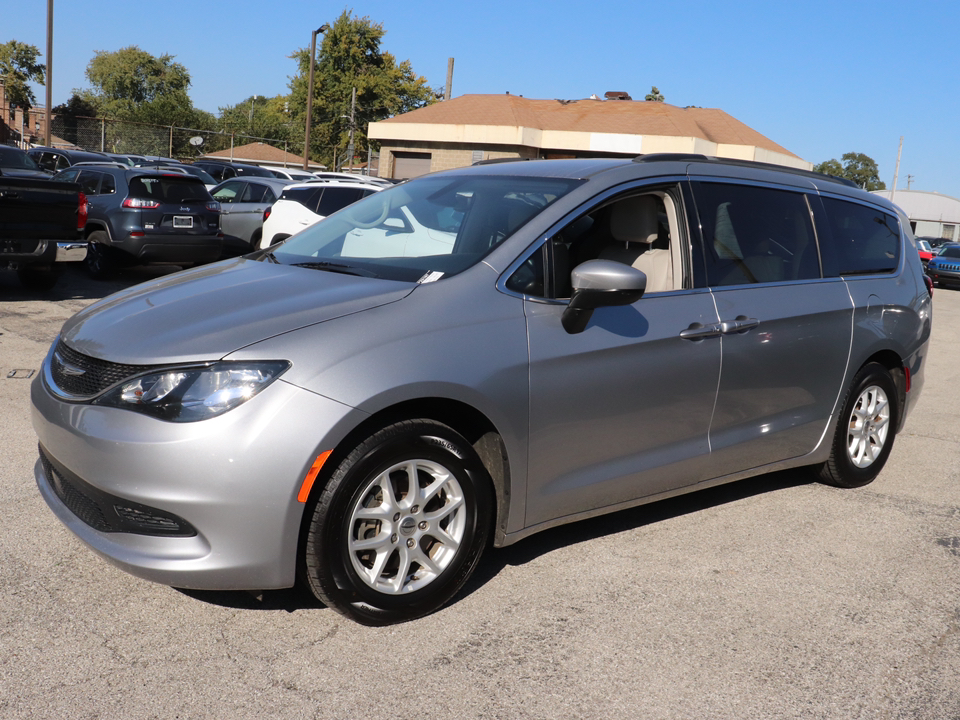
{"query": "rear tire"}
(99, 262)
(400, 526)
(865, 431)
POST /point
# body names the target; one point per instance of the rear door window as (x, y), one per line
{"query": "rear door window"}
(253, 193)
(89, 181)
(754, 234)
(864, 240)
(306, 196)
(337, 198)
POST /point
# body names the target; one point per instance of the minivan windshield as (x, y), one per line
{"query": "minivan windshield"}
(422, 230)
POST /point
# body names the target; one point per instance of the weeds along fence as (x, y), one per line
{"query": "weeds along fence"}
(120, 136)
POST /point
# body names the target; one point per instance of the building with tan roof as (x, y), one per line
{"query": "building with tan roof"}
(464, 130)
(258, 153)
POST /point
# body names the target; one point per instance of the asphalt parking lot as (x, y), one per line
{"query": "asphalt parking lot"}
(773, 597)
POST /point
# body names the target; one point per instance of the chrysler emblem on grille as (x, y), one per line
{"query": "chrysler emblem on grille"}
(68, 369)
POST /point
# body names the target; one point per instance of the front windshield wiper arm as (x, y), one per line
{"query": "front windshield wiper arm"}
(335, 267)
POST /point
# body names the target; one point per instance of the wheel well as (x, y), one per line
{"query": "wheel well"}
(892, 361)
(475, 427)
(94, 227)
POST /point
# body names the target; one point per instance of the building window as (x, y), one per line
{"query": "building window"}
(947, 232)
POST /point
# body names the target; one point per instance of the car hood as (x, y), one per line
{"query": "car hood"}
(207, 313)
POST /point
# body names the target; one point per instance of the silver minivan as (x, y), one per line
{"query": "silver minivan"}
(476, 355)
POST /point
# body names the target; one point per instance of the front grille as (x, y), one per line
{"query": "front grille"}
(109, 513)
(80, 375)
(949, 267)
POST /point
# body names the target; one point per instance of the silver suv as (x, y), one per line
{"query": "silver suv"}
(476, 355)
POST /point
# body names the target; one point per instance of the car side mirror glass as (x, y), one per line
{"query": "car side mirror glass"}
(600, 283)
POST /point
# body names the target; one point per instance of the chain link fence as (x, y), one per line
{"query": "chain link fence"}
(120, 136)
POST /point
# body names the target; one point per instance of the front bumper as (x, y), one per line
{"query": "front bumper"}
(233, 480)
(944, 273)
(172, 248)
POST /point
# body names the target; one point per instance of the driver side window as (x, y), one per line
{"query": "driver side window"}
(640, 230)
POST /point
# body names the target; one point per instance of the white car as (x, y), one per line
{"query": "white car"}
(352, 177)
(291, 174)
(303, 204)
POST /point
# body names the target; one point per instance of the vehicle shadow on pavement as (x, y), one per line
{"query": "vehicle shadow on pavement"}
(495, 560)
(547, 541)
(73, 283)
(288, 600)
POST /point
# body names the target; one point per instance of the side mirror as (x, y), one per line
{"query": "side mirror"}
(600, 283)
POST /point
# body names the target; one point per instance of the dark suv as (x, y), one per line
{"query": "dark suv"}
(55, 159)
(139, 216)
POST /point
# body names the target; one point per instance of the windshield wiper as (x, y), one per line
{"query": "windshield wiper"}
(335, 267)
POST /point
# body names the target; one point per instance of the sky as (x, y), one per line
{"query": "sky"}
(821, 77)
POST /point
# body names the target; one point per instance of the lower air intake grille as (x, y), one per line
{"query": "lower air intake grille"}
(109, 513)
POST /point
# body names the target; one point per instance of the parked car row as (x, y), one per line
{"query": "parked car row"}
(160, 210)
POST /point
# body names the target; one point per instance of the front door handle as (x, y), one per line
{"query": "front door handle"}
(740, 325)
(699, 331)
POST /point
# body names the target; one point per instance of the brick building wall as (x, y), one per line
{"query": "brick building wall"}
(12, 121)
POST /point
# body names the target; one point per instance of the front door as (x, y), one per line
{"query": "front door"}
(622, 410)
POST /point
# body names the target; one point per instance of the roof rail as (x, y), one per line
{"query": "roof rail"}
(667, 157)
(693, 157)
(494, 161)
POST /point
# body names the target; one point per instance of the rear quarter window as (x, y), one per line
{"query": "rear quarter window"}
(864, 240)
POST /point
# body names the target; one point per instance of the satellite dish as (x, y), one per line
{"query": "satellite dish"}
(196, 140)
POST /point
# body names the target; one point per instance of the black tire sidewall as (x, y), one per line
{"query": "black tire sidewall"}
(98, 261)
(339, 581)
(847, 474)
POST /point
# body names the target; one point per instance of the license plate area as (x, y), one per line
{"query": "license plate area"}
(183, 221)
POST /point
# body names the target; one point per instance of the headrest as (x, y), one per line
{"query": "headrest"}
(635, 219)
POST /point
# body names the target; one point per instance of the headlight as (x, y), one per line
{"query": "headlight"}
(189, 394)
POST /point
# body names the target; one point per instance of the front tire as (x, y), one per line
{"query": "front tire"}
(400, 526)
(866, 430)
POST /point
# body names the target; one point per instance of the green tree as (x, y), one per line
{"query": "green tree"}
(69, 117)
(257, 116)
(856, 167)
(127, 80)
(654, 95)
(19, 68)
(350, 57)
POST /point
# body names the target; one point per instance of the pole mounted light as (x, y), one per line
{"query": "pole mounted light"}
(313, 58)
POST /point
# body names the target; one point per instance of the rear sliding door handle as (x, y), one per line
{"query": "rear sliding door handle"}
(740, 325)
(699, 331)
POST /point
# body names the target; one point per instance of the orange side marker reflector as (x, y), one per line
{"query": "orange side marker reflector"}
(312, 476)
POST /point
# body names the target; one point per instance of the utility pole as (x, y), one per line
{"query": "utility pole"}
(49, 83)
(353, 108)
(909, 181)
(449, 87)
(313, 59)
(896, 172)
